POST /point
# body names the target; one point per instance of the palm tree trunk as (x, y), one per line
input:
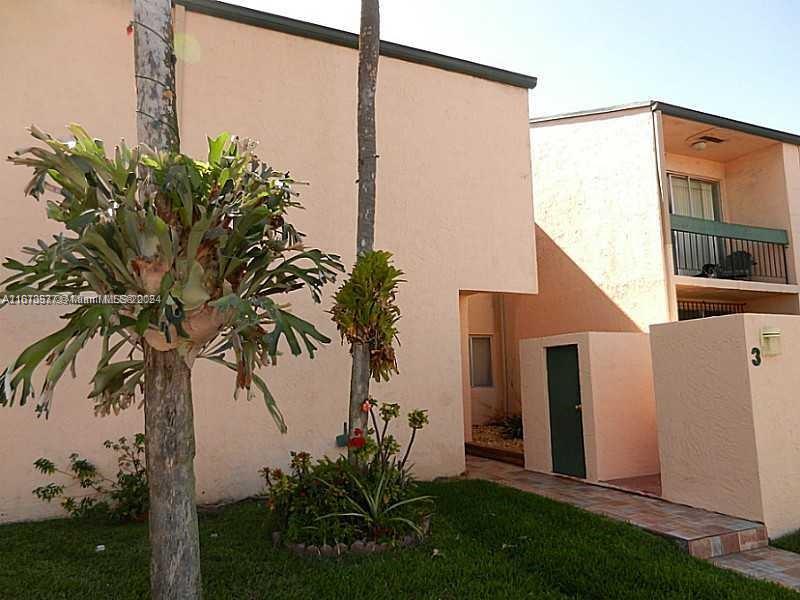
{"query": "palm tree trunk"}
(368, 53)
(168, 411)
(154, 64)
(170, 448)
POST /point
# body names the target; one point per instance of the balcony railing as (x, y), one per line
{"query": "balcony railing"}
(704, 248)
(698, 309)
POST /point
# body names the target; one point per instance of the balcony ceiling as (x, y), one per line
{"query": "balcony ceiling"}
(679, 134)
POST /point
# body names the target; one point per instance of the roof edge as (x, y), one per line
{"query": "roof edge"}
(590, 112)
(717, 121)
(249, 16)
(680, 112)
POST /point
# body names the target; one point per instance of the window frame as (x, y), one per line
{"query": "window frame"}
(720, 208)
(472, 361)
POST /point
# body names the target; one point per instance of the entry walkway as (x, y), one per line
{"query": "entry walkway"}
(728, 542)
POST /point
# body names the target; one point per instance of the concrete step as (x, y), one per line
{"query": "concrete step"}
(767, 563)
(713, 546)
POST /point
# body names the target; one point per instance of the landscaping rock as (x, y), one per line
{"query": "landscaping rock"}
(357, 547)
(276, 539)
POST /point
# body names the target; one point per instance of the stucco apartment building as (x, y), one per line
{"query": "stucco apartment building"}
(646, 213)
(442, 124)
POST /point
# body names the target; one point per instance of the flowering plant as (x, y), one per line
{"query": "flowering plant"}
(373, 498)
(357, 441)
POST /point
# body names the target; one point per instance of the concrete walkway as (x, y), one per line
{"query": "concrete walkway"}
(728, 542)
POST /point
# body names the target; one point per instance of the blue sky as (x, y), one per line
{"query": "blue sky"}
(738, 59)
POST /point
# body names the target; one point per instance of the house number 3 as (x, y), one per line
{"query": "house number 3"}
(756, 352)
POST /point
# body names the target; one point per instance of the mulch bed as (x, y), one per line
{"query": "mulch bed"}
(492, 435)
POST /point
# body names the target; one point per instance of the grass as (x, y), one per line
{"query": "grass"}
(790, 542)
(492, 542)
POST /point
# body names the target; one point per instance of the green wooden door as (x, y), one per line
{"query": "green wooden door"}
(566, 426)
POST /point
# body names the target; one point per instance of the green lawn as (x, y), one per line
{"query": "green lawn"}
(790, 542)
(492, 542)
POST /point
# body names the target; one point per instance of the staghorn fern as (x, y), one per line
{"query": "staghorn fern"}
(365, 310)
(209, 239)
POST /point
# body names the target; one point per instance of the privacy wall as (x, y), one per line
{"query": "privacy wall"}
(728, 417)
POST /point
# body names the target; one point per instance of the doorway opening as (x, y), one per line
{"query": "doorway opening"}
(492, 410)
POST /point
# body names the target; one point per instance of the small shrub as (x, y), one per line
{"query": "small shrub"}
(122, 499)
(373, 498)
(510, 427)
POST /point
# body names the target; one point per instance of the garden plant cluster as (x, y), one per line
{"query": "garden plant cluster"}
(369, 502)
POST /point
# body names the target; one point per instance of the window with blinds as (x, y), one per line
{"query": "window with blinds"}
(480, 361)
(692, 197)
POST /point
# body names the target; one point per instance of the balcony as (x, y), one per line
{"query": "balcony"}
(712, 249)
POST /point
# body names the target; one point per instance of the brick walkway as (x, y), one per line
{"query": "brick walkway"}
(728, 542)
(772, 564)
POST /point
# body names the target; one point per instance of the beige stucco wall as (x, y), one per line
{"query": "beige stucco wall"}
(618, 406)
(450, 226)
(756, 189)
(727, 428)
(781, 304)
(624, 408)
(598, 232)
(594, 177)
(692, 165)
(774, 386)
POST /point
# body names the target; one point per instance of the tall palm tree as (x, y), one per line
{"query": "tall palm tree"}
(368, 53)
(168, 410)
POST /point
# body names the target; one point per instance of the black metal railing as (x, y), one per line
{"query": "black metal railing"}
(727, 251)
(699, 309)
